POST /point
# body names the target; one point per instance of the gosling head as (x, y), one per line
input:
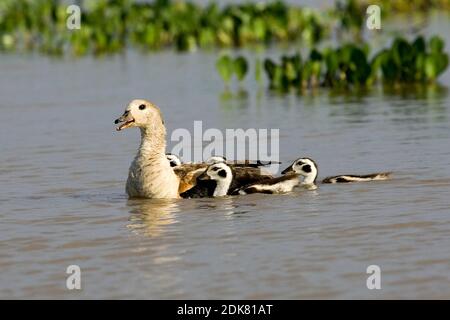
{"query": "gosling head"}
(222, 174)
(217, 172)
(173, 160)
(142, 114)
(305, 167)
(216, 159)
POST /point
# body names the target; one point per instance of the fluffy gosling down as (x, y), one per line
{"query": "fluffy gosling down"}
(287, 182)
(307, 164)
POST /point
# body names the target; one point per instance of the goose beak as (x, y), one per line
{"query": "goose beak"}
(287, 170)
(126, 121)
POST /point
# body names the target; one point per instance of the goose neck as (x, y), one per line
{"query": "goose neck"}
(153, 143)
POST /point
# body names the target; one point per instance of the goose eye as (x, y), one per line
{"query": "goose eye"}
(222, 173)
(142, 107)
(307, 168)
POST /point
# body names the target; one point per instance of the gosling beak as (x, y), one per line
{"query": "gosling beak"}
(204, 176)
(126, 121)
(287, 170)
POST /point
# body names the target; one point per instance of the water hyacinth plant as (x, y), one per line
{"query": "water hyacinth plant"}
(224, 66)
(349, 66)
(227, 67)
(110, 25)
(411, 6)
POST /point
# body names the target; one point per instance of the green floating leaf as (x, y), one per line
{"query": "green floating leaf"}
(419, 45)
(315, 55)
(435, 64)
(269, 66)
(224, 66)
(402, 51)
(436, 44)
(348, 65)
(258, 71)
(289, 71)
(431, 70)
(240, 67)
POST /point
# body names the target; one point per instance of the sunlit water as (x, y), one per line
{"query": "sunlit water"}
(63, 170)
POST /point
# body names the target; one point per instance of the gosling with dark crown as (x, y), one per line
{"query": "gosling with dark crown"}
(287, 182)
(303, 164)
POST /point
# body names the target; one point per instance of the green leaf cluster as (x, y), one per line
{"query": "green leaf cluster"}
(227, 67)
(111, 25)
(350, 66)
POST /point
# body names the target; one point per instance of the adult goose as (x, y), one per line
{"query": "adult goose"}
(150, 174)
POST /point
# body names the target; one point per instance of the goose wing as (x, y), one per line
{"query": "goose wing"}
(188, 173)
(244, 176)
(250, 174)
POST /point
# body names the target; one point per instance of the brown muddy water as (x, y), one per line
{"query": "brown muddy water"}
(63, 170)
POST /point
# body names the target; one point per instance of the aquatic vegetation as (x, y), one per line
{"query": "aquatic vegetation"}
(349, 65)
(350, 14)
(410, 6)
(416, 61)
(227, 66)
(240, 68)
(224, 66)
(111, 25)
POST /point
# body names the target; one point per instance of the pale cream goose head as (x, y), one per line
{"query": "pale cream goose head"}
(142, 114)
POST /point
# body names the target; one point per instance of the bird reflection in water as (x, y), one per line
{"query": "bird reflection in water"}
(151, 217)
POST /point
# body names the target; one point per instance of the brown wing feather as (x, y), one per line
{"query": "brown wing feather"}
(188, 173)
(250, 174)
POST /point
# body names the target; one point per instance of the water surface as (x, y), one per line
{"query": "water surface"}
(63, 170)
